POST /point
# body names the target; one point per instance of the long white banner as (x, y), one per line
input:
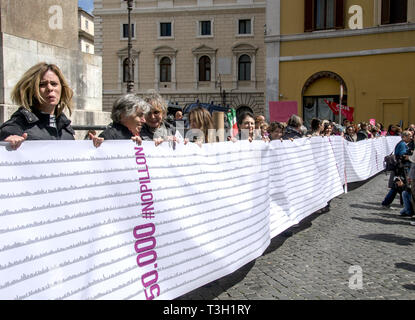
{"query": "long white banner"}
(129, 222)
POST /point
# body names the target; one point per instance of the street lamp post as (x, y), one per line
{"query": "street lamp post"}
(130, 80)
(222, 92)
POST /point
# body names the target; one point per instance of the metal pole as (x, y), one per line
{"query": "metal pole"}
(130, 80)
(340, 105)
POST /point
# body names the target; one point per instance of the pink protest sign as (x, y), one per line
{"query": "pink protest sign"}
(372, 122)
(282, 110)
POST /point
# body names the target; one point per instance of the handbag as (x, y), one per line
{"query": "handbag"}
(390, 163)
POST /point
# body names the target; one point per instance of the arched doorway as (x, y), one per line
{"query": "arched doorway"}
(320, 87)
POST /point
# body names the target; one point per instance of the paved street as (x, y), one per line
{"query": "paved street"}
(314, 262)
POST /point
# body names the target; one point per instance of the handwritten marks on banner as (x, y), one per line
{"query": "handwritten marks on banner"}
(119, 222)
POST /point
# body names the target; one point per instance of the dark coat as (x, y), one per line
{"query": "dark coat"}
(349, 138)
(291, 133)
(116, 131)
(36, 125)
(362, 135)
(165, 130)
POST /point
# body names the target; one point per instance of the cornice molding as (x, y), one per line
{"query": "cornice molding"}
(341, 33)
(103, 12)
(347, 54)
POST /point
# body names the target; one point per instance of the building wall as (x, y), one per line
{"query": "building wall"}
(376, 62)
(26, 41)
(86, 46)
(109, 16)
(86, 31)
(47, 21)
(83, 25)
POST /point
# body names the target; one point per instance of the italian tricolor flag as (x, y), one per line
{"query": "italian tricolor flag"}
(232, 122)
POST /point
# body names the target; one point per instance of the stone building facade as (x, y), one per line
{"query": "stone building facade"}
(34, 31)
(188, 50)
(86, 31)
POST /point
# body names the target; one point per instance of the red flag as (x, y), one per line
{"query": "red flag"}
(333, 106)
(347, 111)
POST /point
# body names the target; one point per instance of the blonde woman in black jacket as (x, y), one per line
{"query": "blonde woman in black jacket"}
(43, 95)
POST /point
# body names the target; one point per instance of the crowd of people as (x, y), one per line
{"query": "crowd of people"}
(352, 132)
(44, 94)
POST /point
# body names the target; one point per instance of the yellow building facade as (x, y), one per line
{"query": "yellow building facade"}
(368, 46)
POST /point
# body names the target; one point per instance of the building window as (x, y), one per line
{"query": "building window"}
(205, 28)
(125, 70)
(165, 29)
(125, 31)
(204, 68)
(323, 15)
(86, 24)
(165, 70)
(87, 48)
(394, 11)
(244, 26)
(316, 107)
(244, 68)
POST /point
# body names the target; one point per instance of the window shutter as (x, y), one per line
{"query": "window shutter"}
(385, 12)
(339, 14)
(308, 15)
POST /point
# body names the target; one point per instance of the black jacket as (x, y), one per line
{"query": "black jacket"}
(291, 133)
(36, 125)
(349, 138)
(362, 135)
(116, 131)
(165, 130)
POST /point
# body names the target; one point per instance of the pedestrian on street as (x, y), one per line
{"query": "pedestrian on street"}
(400, 152)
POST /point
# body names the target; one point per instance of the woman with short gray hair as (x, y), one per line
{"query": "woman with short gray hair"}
(293, 130)
(128, 116)
(156, 128)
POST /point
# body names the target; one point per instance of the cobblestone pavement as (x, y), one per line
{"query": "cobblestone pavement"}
(314, 262)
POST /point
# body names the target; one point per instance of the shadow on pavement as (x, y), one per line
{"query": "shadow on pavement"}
(279, 240)
(366, 207)
(393, 215)
(213, 289)
(378, 204)
(354, 185)
(382, 221)
(391, 238)
(405, 266)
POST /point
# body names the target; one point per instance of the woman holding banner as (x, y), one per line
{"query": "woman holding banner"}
(246, 126)
(127, 115)
(156, 128)
(201, 126)
(43, 94)
(276, 130)
(350, 134)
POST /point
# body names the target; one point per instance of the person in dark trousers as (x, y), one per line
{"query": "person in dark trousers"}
(401, 154)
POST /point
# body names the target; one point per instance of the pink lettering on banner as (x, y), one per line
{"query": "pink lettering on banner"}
(145, 242)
